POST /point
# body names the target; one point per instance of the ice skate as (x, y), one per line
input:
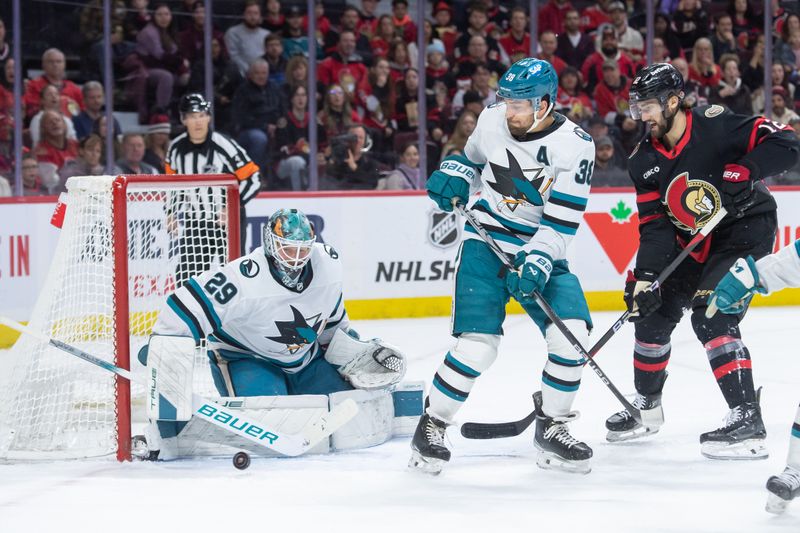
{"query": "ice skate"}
(782, 488)
(622, 426)
(429, 452)
(140, 450)
(742, 437)
(558, 449)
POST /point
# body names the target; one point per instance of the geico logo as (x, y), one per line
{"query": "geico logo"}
(215, 413)
(457, 167)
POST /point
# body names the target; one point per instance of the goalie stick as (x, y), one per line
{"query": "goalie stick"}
(490, 430)
(290, 444)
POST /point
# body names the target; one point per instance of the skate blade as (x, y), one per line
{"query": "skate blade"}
(776, 504)
(747, 450)
(426, 465)
(551, 461)
(636, 433)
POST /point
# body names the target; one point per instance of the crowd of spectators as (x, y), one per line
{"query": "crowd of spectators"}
(368, 74)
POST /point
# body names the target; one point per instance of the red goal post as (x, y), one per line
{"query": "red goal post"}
(126, 242)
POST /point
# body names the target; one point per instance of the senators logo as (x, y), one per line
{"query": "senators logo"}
(691, 203)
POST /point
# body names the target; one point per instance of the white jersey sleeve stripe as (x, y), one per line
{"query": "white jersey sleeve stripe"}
(780, 270)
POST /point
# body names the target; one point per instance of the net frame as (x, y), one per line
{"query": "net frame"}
(122, 188)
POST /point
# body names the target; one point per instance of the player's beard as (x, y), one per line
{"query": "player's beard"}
(519, 129)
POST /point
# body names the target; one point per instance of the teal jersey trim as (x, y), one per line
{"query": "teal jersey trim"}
(796, 433)
(569, 198)
(208, 308)
(496, 236)
(559, 228)
(173, 304)
(513, 226)
(797, 246)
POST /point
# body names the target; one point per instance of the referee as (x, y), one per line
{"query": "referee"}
(202, 151)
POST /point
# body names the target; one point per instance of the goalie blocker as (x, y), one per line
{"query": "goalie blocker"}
(386, 408)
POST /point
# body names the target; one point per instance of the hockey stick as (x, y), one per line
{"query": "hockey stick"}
(480, 430)
(635, 413)
(291, 444)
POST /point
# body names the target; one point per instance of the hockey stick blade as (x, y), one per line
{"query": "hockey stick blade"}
(498, 430)
(235, 421)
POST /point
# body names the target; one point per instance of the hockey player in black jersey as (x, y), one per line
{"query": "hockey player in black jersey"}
(692, 163)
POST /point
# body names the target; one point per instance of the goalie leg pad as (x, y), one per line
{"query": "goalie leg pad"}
(373, 423)
(472, 354)
(371, 364)
(409, 404)
(170, 368)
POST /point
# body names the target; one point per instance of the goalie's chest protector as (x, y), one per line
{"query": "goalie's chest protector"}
(283, 325)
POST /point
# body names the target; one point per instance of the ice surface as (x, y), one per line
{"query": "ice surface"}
(657, 484)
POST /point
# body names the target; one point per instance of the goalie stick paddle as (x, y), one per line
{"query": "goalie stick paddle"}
(635, 413)
(489, 430)
(291, 444)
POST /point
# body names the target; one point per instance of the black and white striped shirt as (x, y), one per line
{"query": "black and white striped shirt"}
(219, 154)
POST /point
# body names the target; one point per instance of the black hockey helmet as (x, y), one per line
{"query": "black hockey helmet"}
(657, 81)
(194, 103)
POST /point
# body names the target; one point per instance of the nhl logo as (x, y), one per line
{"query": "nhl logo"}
(443, 230)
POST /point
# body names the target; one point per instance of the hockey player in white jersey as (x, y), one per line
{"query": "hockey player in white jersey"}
(532, 170)
(731, 296)
(275, 325)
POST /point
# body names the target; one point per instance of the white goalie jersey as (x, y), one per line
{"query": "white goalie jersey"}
(531, 193)
(241, 307)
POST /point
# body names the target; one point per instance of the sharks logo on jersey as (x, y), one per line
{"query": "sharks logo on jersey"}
(515, 186)
(300, 331)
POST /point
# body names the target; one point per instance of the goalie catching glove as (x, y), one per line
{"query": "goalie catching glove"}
(368, 365)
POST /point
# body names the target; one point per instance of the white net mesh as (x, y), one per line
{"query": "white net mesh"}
(53, 405)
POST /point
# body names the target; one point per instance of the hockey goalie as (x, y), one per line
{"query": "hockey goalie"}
(280, 346)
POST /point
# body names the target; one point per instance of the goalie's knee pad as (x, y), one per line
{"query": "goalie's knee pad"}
(382, 414)
(170, 370)
(476, 350)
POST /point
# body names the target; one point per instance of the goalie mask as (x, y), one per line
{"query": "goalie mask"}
(288, 239)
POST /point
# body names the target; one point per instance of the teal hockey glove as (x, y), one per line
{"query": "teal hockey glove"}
(736, 288)
(452, 180)
(532, 277)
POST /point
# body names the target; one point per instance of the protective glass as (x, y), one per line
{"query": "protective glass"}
(290, 253)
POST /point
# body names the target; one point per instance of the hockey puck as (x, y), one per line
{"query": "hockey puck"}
(241, 460)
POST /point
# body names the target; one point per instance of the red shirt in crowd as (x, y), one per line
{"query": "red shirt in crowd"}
(711, 80)
(592, 17)
(47, 153)
(516, 49)
(551, 16)
(332, 70)
(67, 89)
(611, 100)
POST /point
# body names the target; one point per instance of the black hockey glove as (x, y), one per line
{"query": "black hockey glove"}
(737, 189)
(640, 299)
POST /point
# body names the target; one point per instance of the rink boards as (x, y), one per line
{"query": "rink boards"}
(399, 251)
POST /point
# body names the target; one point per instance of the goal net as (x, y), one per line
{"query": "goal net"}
(126, 243)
